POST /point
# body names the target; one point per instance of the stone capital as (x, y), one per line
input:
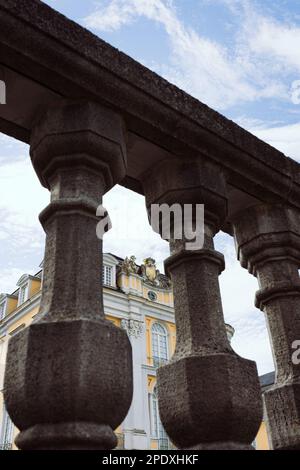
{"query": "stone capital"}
(267, 232)
(188, 181)
(79, 134)
(186, 256)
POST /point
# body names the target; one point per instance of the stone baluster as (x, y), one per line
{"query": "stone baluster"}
(68, 380)
(268, 245)
(209, 397)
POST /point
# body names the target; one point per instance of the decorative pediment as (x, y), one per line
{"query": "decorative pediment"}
(23, 279)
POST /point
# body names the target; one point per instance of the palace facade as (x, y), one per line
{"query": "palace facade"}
(136, 298)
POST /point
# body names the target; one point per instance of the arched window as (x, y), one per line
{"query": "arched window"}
(157, 430)
(159, 344)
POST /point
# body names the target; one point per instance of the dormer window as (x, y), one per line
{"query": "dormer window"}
(22, 294)
(107, 275)
(2, 308)
(23, 284)
(109, 270)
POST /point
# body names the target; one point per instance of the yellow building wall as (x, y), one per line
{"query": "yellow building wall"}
(35, 286)
(25, 320)
(153, 444)
(11, 305)
(261, 440)
(172, 339)
(149, 322)
(115, 321)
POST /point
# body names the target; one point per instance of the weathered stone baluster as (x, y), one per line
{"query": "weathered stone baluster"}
(209, 397)
(268, 244)
(68, 380)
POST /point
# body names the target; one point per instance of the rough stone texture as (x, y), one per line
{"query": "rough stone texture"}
(268, 244)
(79, 157)
(66, 384)
(39, 42)
(209, 397)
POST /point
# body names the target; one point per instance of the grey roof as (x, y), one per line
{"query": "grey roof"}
(267, 379)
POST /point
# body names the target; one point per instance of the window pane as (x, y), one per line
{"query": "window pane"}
(2, 307)
(159, 342)
(158, 430)
(107, 275)
(22, 294)
(7, 428)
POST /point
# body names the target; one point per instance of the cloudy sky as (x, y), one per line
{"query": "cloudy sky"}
(241, 58)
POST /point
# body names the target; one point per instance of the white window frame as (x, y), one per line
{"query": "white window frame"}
(105, 277)
(2, 309)
(160, 335)
(7, 430)
(23, 288)
(158, 432)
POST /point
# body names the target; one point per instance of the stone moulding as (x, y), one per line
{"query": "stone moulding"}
(70, 61)
(95, 117)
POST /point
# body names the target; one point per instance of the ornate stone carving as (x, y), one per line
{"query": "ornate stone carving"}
(163, 281)
(132, 327)
(129, 265)
(147, 271)
(152, 276)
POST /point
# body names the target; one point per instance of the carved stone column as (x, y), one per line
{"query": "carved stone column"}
(268, 244)
(68, 380)
(209, 397)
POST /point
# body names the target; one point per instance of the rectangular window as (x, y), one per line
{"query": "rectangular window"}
(22, 294)
(107, 275)
(7, 431)
(2, 310)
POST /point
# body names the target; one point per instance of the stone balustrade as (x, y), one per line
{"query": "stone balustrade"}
(94, 117)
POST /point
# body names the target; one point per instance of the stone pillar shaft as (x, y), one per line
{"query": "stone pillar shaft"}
(209, 397)
(68, 380)
(268, 242)
(72, 249)
(280, 293)
(206, 332)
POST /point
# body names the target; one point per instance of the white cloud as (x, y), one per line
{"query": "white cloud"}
(295, 92)
(21, 200)
(131, 232)
(205, 68)
(113, 18)
(238, 289)
(284, 138)
(273, 39)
